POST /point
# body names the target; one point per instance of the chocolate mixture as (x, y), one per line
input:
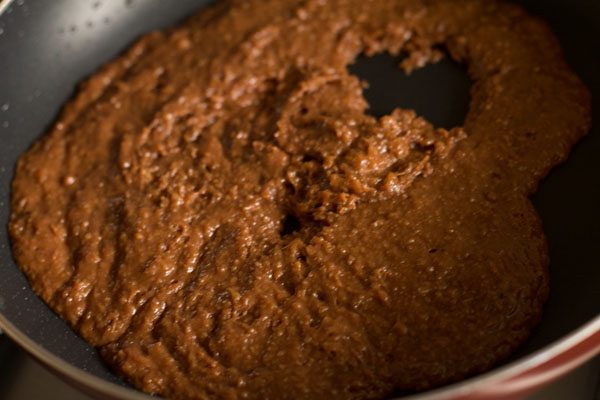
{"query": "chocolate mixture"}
(216, 212)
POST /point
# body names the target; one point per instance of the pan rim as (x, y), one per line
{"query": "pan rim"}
(85, 380)
(465, 387)
(4, 5)
(66, 369)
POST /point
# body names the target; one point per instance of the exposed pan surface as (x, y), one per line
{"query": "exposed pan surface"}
(46, 48)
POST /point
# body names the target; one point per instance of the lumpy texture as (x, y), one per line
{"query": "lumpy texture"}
(218, 214)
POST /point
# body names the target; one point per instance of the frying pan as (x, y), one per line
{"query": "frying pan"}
(47, 47)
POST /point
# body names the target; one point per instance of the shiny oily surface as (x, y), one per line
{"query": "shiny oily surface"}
(206, 210)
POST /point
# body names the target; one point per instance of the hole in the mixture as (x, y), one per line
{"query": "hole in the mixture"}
(438, 92)
(290, 225)
(310, 158)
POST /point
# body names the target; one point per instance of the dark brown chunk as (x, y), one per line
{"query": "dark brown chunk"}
(218, 214)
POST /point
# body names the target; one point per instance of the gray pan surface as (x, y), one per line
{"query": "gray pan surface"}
(48, 46)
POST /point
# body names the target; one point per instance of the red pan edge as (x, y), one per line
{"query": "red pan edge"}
(512, 381)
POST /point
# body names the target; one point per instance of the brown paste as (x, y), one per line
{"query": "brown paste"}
(216, 212)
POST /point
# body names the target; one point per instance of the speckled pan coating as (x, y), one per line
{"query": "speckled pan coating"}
(218, 214)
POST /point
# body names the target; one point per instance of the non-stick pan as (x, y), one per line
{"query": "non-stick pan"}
(48, 46)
